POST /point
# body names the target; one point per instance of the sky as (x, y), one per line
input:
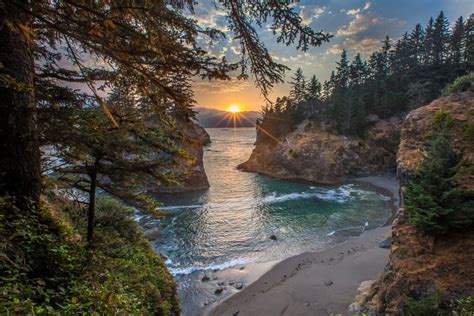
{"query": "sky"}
(359, 26)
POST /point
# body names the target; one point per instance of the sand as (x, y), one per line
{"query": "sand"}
(317, 283)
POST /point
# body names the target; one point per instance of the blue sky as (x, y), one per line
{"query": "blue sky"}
(358, 26)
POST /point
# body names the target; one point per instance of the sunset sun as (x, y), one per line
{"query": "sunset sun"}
(234, 108)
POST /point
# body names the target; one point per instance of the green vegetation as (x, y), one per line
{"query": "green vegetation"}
(433, 199)
(434, 305)
(404, 75)
(46, 268)
(426, 306)
(461, 84)
(463, 306)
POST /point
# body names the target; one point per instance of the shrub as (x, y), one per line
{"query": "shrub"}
(461, 84)
(426, 306)
(46, 269)
(463, 306)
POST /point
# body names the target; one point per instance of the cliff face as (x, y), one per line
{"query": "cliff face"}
(312, 154)
(421, 263)
(195, 138)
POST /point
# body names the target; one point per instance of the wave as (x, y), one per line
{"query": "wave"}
(339, 195)
(179, 207)
(348, 228)
(221, 266)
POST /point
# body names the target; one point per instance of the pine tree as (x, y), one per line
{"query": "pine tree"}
(433, 200)
(416, 45)
(441, 35)
(314, 97)
(457, 42)
(428, 44)
(87, 154)
(469, 44)
(298, 86)
(149, 43)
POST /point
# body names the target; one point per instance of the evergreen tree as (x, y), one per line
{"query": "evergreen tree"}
(86, 153)
(433, 200)
(314, 95)
(416, 45)
(149, 43)
(298, 86)
(441, 35)
(469, 44)
(457, 42)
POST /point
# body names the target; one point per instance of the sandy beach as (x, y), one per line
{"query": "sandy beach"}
(317, 283)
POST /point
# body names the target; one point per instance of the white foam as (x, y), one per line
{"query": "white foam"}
(347, 228)
(338, 195)
(222, 266)
(274, 198)
(178, 207)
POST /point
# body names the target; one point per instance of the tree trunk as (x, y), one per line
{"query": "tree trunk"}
(20, 173)
(91, 211)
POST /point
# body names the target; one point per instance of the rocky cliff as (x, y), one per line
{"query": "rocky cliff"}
(420, 263)
(194, 139)
(313, 154)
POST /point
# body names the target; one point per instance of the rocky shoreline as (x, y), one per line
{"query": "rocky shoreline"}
(365, 248)
(309, 153)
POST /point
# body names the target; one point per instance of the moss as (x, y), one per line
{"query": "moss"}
(46, 268)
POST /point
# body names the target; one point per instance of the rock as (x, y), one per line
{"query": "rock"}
(221, 283)
(328, 283)
(152, 234)
(195, 138)
(273, 237)
(219, 291)
(236, 313)
(386, 244)
(241, 268)
(421, 263)
(239, 286)
(205, 278)
(361, 297)
(318, 155)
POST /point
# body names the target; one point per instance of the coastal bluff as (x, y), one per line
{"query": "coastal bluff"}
(193, 140)
(421, 263)
(311, 153)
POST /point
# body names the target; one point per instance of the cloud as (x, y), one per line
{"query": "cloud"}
(220, 86)
(369, 21)
(364, 45)
(365, 31)
(309, 13)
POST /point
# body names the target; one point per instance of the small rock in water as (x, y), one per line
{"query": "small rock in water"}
(231, 282)
(239, 286)
(205, 278)
(221, 283)
(328, 283)
(273, 237)
(219, 290)
(241, 268)
(386, 244)
(236, 313)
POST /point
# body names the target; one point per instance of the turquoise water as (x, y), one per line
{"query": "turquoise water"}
(230, 223)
